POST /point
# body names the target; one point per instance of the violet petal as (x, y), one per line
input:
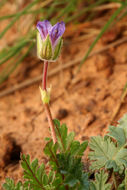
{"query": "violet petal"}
(56, 32)
(44, 28)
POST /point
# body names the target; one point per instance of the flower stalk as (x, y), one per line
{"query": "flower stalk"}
(46, 105)
(44, 77)
(49, 43)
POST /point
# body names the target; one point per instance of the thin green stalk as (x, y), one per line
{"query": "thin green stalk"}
(37, 11)
(84, 10)
(14, 51)
(4, 75)
(106, 26)
(17, 17)
(67, 9)
(122, 15)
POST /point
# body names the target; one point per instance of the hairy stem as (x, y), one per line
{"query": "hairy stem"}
(44, 77)
(46, 106)
(50, 121)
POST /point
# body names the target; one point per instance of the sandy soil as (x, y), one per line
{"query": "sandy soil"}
(85, 101)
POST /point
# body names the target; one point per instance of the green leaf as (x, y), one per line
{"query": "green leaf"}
(34, 165)
(78, 149)
(121, 187)
(61, 133)
(106, 154)
(84, 183)
(109, 153)
(51, 150)
(100, 182)
(72, 169)
(58, 180)
(40, 172)
(66, 141)
(74, 147)
(69, 140)
(122, 123)
(32, 172)
(118, 134)
(10, 185)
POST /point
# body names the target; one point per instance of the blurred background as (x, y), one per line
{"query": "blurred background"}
(89, 80)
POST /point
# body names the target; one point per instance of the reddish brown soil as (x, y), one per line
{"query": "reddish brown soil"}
(85, 101)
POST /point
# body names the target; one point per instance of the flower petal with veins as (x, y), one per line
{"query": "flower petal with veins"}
(44, 28)
(56, 32)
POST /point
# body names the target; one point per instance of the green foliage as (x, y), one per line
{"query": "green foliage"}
(10, 185)
(100, 182)
(108, 155)
(36, 176)
(72, 168)
(64, 161)
(68, 161)
(66, 142)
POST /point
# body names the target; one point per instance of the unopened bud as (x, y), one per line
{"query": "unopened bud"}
(49, 40)
(45, 95)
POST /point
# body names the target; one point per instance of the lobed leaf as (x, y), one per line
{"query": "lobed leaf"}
(66, 142)
(36, 176)
(107, 153)
(10, 185)
(100, 182)
(72, 169)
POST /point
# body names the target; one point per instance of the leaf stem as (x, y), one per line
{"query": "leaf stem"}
(46, 106)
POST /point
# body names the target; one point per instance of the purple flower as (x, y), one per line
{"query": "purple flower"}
(55, 32)
(44, 28)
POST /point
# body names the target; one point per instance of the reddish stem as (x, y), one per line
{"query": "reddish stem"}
(45, 69)
(50, 121)
(46, 106)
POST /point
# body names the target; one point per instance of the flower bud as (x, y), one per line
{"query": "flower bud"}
(49, 40)
(45, 95)
(44, 48)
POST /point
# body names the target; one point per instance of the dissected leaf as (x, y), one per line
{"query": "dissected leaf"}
(78, 149)
(84, 182)
(100, 182)
(66, 141)
(10, 185)
(119, 133)
(36, 176)
(102, 152)
(72, 169)
(107, 153)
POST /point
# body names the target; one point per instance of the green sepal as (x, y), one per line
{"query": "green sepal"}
(45, 95)
(39, 45)
(47, 49)
(57, 49)
(44, 47)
